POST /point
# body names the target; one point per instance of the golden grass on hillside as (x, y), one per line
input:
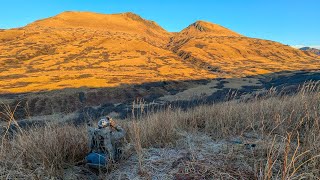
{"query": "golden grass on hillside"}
(82, 49)
(287, 128)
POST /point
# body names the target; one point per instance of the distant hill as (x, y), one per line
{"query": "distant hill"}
(84, 49)
(312, 50)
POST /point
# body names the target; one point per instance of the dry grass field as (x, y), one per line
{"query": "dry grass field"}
(270, 137)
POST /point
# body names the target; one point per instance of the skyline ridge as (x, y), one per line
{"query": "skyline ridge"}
(70, 44)
(122, 13)
(276, 20)
(150, 20)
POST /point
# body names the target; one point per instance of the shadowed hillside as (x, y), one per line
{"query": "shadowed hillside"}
(83, 104)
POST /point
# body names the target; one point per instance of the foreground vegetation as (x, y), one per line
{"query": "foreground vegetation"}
(286, 129)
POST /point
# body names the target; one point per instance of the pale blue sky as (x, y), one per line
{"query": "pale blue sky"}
(292, 22)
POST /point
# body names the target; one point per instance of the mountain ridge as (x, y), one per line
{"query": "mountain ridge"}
(312, 50)
(131, 15)
(208, 27)
(84, 49)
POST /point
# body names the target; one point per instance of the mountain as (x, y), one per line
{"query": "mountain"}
(115, 23)
(84, 49)
(76, 49)
(312, 50)
(208, 28)
(226, 52)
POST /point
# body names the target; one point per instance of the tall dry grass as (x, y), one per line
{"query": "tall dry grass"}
(42, 152)
(289, 126)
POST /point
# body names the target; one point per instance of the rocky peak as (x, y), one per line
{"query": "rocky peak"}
(200, 26)
(203, 27)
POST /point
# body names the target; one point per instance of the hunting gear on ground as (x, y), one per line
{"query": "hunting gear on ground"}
(104, 143)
